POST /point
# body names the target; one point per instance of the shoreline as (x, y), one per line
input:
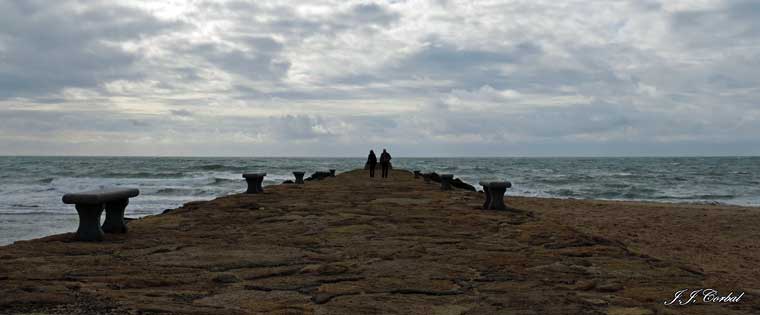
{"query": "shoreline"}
(351, 245)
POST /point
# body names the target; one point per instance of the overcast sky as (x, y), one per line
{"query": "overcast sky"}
(423, 78)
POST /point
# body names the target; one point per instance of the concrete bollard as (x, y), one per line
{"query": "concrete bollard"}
(114, 222)
(255, 181)
(90, 206)
(260, 183)
(89, 229)
(417, 174)
(332, 172)
(487, 194)
(446, 181)
(299, 177)
(494, 193)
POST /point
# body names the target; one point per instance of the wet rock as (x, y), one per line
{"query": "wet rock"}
(319, 176)
(458, 183)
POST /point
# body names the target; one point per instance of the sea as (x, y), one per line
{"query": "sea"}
(31, 187)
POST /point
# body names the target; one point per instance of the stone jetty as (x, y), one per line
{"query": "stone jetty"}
(354, 245)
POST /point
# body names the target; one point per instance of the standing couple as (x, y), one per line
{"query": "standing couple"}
(385, 163)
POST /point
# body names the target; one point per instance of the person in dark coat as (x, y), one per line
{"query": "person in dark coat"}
(372, 162)
(385, 163)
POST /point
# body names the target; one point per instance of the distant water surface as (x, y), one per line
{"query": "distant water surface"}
(31, 187)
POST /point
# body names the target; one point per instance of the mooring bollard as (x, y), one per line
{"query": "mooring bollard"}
(299, 177)
(90, 206)
(494, 192)
(487, 194)
(254, 181)
(446, 181)
(114, 222)
(332, 172)
(416, 174)
(260, 183)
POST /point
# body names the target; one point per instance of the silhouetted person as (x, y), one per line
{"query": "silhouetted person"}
(385, 163)
(372, 162)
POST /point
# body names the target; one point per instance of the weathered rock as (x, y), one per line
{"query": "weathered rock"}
(355, 245)
(226, 278)
(609, 287)
(319, 175)
(377, 166)
(458, 183)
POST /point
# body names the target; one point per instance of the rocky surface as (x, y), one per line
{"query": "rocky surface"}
(354, 245)
(318, 175)
(377, 166)
(456, 182)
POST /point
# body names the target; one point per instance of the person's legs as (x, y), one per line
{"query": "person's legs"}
(385, 170)
(371, 170)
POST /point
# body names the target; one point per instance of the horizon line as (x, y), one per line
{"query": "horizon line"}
(346, 157)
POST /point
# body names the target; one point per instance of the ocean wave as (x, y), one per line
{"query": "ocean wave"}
(220, 180)
(45, 180)
(183, 192)
(562, 179)
(563, 193)
(629, 192)
(623, 174)
(140, 175)
(172, 192)
(700, 197)
(221, 167)
(24, 206)
(66, 213)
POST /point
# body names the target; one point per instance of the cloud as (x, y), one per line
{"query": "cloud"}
(181, 112)
(298, 127)
(334, 77)
(50, 46)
